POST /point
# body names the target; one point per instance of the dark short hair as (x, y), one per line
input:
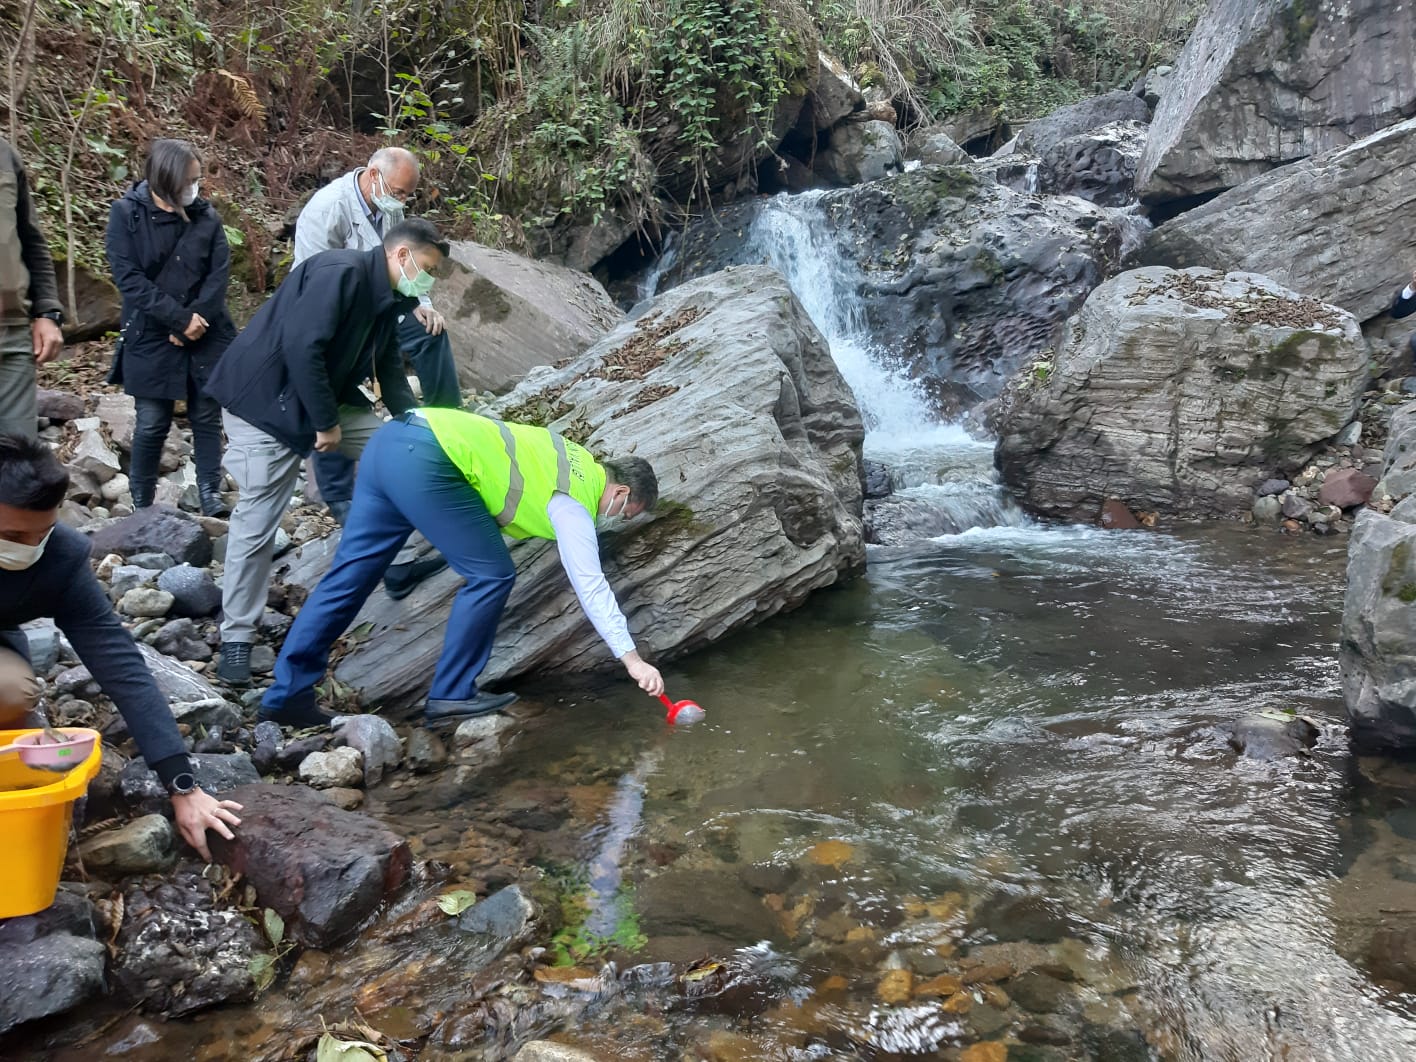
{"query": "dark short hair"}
(166, 171)
(636, 474)
(31, 477)
(418, 234)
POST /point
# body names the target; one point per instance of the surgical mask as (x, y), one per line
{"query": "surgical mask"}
(189, 196)
(613, 521)
(385, 203)
(16, 556)
(416, 286)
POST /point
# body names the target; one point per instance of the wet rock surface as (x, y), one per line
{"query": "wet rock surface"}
(323, 869)
(178, 953)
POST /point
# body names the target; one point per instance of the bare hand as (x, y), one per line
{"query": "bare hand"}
(645, 674)
(198, 812)
(327, 442)
(48, 340)
(196, 327)
(431, 320)
(176, 341)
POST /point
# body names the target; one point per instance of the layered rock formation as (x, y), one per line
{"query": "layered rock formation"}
(1180, 392)
(1265, 82)
(727, 388)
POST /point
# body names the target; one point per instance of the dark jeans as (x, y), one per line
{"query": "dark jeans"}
(437, 375)
(406, 482)
(150, 428)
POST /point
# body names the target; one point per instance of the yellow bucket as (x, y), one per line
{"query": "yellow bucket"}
(36, 808)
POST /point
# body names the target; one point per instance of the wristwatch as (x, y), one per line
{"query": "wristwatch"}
(182, 784)
(57, 316)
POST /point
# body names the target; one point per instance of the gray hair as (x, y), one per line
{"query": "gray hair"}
(393, 158)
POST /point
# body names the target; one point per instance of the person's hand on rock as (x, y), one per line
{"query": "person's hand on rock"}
(197, 812)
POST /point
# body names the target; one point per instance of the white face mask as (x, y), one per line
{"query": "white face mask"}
(385, 203)
(16, 556)
(189, 194)
(610, 521)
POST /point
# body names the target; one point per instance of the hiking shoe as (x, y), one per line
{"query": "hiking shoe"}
(296, 715)
(235, 666)
(401, 579)
(482, 704)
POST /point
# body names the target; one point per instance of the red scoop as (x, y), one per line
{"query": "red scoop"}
(681, 711)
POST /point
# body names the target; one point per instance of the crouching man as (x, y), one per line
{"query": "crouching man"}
(45, 573)
(464, 480)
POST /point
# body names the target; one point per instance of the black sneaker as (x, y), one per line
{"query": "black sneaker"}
(297, 716)
(235, 666)
(451, 711)
(401, 579)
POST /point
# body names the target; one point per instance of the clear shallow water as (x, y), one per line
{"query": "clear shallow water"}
(1027, 716)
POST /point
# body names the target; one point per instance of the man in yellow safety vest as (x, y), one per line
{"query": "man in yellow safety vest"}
(464, 480)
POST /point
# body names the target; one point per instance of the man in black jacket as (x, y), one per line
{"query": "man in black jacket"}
(292, 382)
(30, 313)
(44, 572)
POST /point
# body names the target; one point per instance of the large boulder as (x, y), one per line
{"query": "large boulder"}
(1041, 136)
(860, 152)
(100, 307)
(961, 279)
(1099, 165)
(1181, 392)
(1322, 226)
(506, 314)
(325, 871)
(728, 389)
(834, 97)
(1378, 646)
(1261, 83)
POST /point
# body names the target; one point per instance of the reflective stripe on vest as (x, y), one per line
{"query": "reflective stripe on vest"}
(516, 485)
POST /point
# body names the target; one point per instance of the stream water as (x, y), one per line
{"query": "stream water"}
(1005, 746)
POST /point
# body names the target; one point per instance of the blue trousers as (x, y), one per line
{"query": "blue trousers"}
(437, 375)
(405, 482)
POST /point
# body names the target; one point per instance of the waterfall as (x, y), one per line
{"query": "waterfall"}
(944, 477)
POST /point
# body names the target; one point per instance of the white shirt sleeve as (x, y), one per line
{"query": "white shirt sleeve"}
(580, 557)
(1407, 293)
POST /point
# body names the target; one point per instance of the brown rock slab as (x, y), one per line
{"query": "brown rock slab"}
(323, 869)
(895, 987)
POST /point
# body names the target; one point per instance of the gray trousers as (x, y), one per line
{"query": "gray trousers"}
(18, 409)
(266, 471)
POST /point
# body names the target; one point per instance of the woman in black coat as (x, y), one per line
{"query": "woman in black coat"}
(167, 249)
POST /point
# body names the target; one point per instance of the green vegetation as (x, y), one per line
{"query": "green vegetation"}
(1015, 58)
(575, 942)
(528, 117)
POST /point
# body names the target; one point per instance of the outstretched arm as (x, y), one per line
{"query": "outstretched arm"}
(580, 557)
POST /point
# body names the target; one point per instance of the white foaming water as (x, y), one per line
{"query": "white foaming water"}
(934, 466)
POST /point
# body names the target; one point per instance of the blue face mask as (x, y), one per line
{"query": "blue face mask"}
(416, 286)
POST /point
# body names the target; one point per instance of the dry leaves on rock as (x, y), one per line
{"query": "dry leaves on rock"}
(649, 346)
(647, 396)
(1255, 306)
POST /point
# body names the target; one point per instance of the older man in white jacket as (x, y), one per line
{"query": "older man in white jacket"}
(354, 211)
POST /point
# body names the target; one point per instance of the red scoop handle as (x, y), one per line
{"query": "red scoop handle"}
(667, 703)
